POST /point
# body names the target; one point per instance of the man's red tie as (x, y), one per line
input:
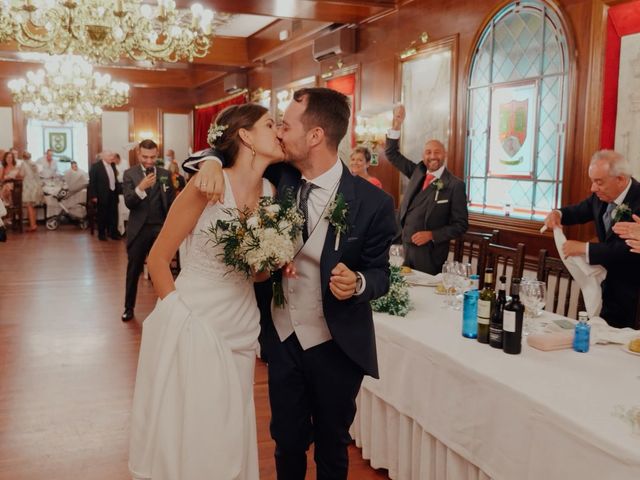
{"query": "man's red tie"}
(427, 180)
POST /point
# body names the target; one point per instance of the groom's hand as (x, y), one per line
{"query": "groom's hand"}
(342, 282)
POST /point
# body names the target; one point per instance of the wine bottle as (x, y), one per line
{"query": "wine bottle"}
(486, 302)
(495, 327)
(512, 321)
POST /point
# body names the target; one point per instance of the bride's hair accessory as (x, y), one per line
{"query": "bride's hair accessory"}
(215, 132)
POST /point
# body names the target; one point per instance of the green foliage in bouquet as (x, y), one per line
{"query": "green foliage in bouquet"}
(396, 301)
(264, 239)
(260, 240)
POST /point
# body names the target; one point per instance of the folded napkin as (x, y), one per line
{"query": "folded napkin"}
(602, 332)
(588, 277)
(424, 279)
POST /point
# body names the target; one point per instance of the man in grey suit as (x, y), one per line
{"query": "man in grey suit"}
(434, 208)
(148, 193)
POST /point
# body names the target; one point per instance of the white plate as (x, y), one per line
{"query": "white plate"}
(626, 349)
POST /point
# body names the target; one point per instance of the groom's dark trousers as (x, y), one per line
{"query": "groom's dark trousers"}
(311, 390)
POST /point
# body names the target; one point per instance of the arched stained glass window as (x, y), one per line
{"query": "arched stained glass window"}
(517, 111)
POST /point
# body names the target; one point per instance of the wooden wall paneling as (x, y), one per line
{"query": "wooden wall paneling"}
(260, 77)
(210, 92)
(19, 129)
(94, 139)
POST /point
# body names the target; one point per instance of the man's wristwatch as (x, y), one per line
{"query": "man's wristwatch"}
(358, 283)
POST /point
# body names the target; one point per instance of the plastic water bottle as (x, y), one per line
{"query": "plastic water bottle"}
(583, 333)
(470, 309)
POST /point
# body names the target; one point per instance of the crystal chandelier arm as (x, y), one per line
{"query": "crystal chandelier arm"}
(104, 30)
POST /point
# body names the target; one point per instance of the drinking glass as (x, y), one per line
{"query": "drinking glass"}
(532, 296)
(396, 255)
(461, 283)
(448, 279)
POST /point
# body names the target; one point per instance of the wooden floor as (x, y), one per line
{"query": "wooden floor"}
(67, 362)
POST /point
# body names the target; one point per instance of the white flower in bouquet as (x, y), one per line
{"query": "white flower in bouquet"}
(253, 222)
(261, 240)
(273, 210)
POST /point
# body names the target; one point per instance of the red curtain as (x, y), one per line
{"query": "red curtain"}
(204, 116)
(622, 20)
(347, 84)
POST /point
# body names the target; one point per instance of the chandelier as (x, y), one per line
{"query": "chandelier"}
(104, 31)
(67, 89)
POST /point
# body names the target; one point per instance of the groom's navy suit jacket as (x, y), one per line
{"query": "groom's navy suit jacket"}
(621, 288)
(363, 248)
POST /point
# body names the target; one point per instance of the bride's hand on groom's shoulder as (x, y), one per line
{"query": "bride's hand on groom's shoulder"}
(342, 282)
(210, 181)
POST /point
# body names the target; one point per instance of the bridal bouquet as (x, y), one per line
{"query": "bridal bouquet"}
(259, 240)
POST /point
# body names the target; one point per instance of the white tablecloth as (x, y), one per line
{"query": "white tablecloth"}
(447, 407)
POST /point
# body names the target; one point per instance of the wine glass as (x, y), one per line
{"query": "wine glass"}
(532, 296)
(396, 255)
(461, 283)
(448, 279)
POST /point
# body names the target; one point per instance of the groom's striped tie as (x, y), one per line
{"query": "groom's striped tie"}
(305, 190)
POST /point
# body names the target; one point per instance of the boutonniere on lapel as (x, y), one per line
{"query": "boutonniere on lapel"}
(622, 213)
(337, 216)
(164, 181)
(439, 185)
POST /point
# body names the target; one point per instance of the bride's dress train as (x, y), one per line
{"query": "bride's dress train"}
(193, 414)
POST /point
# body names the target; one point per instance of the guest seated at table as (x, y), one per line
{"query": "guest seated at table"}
(615, 196)
(359, 162)
(630, 231)
(11, 170)
(31, 189)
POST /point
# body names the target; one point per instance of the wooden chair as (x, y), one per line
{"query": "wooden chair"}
(499, 257)
(474, 244)
(14, 210)
(554, 268)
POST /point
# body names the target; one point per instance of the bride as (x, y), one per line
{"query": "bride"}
(193, 414)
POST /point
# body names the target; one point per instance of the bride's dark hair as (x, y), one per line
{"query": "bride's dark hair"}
(232, 119)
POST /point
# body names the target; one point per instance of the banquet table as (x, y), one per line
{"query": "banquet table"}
(448, 407)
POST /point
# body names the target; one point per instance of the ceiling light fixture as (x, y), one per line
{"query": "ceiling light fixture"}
(67, 89)
(104, 31)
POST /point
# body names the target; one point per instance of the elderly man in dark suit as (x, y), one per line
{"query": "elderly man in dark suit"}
(148, 193)
(615, 196)
(434, 208)
(103, 191)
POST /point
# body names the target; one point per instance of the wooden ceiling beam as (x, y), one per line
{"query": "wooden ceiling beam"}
(334, 11)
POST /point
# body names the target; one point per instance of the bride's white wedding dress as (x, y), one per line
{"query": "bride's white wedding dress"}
(193, 414)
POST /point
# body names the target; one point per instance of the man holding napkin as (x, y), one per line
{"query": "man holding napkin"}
(615, 197)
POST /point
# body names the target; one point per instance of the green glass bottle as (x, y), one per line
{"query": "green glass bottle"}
(486, 303)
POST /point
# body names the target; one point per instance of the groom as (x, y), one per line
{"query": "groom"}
(322, 342)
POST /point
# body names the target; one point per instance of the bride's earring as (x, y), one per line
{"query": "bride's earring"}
(253, 151)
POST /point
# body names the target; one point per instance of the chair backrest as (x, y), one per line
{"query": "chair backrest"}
(554, 269)
(472, 245)
(14, 210)
(16, 193)
(500, 256)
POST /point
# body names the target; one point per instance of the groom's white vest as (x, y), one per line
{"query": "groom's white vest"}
(302, 311)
